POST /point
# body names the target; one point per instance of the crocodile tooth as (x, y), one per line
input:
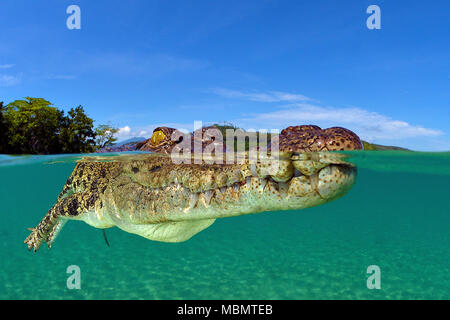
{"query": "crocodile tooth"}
(263, 184)
(253, 170)
(193, 200)
(208, 195)
(283, 188)
(236, 187)
(223, 189)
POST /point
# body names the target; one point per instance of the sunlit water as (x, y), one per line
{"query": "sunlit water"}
(397, 217)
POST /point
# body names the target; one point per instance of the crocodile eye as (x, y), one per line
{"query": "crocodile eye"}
(157, 137)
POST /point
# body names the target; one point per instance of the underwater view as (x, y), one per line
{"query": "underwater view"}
(395, 217)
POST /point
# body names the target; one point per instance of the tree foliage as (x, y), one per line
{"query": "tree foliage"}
(105, 135)
(77, 134)
(35, 126)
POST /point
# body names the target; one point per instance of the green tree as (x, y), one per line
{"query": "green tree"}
(105, 135)
(77, 132)
(33, 126)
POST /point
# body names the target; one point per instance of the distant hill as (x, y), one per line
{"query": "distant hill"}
(379, 147)
(131, 140)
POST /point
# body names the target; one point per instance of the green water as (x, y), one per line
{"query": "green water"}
(397, 216)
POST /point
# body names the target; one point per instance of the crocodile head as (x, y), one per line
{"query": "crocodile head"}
(161, 199)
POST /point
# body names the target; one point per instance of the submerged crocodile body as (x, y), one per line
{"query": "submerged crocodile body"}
(154, 197)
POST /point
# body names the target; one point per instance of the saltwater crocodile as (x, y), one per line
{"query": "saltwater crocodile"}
(155, 197)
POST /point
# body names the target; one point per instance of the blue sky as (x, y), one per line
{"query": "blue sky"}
(259, 64)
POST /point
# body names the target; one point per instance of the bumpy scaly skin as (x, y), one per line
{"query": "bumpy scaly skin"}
(150, 195)
(313, 138)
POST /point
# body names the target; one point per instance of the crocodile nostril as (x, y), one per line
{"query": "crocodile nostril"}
(154, 169)
(135, 169)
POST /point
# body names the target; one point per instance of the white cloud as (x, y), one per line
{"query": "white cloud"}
(371, 126)
(6, 66)
(368, 125)
(123, 133)
(8, 80)
(271, 96)
(61, 77)
(143, 133)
